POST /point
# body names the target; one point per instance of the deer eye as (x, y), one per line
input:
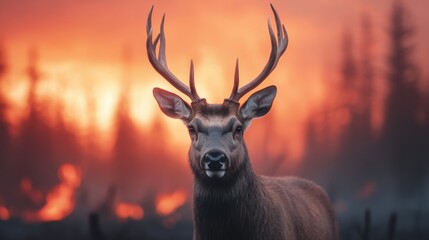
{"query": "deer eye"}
(191, 130)
(239, 129)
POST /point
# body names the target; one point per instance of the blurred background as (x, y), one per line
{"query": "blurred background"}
(85, 153)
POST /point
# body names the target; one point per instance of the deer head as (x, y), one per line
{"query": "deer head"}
(216, 130)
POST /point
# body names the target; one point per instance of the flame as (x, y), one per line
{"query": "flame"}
(128, 210)
(4, 213)
(70, 175)
(59, 202)
(168, 203)
(27, 187)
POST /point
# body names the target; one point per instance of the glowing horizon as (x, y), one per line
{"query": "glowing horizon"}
(80, 56)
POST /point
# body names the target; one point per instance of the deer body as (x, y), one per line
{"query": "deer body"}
(268, 208)
(230, 200)
(244, 205)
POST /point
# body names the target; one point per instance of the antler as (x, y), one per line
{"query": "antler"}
(278, 47)
(160, 63)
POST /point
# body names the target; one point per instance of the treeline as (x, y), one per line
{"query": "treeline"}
(370, 145)
(139, 166)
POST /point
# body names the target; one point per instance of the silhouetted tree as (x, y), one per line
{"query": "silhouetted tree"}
(352, 143)
(127, 163)
(358, 79)
(164, 163)
(5, 137)
(141, 164)
(318, 161)
(324, 130)
(34, 153)
(349, 72)
(3, 62)
(348, 88)
(354, 154)
(65, 145)
(403, 136)
(356, 150)
(367, 74)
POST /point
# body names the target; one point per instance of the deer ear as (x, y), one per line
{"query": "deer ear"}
(258, 103)
(172, 105)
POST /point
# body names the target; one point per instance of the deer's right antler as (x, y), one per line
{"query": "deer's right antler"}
(160, 62)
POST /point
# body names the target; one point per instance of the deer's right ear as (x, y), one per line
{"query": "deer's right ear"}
(172, 105)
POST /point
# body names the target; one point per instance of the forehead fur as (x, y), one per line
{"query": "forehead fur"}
(219, 110)
(206, 110)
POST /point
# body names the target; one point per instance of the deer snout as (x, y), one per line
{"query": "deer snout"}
(215, 163)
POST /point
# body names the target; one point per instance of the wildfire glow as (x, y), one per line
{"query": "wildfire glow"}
(69, 174)
(4, 213)
(168, 203)
(27, 187)
(83, 71)
(129, 211)
(59, 202)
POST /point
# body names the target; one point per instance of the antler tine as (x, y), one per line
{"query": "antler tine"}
(161, 53)
(281, 32)
(278, 47)
(236, 81)
(159, 62)
(192, 82)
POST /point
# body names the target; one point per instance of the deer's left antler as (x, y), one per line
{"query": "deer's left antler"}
(278, 47)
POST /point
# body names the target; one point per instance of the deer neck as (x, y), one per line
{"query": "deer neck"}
(244, 180)
(225, 209)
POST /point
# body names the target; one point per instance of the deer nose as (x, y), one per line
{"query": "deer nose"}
(215, 160)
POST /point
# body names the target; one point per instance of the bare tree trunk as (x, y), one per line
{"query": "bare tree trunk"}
(391, 227)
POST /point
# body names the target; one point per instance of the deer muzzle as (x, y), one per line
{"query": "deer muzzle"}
(215, 163)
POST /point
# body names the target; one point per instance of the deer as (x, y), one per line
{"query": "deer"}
(230, 201)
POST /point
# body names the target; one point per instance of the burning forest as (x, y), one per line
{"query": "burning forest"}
(86, 154)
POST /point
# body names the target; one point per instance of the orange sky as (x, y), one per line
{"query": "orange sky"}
(80, 44)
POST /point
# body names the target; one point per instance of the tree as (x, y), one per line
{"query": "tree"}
(3, 63)
(34, 158)
(367, 72)
(127, 166)
(348, 64)
(403, 136)
(5, 137)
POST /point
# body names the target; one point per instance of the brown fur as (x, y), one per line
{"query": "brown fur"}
(242, 205)
(260, 207)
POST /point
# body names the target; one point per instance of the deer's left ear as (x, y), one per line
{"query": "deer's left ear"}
(258, 103)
